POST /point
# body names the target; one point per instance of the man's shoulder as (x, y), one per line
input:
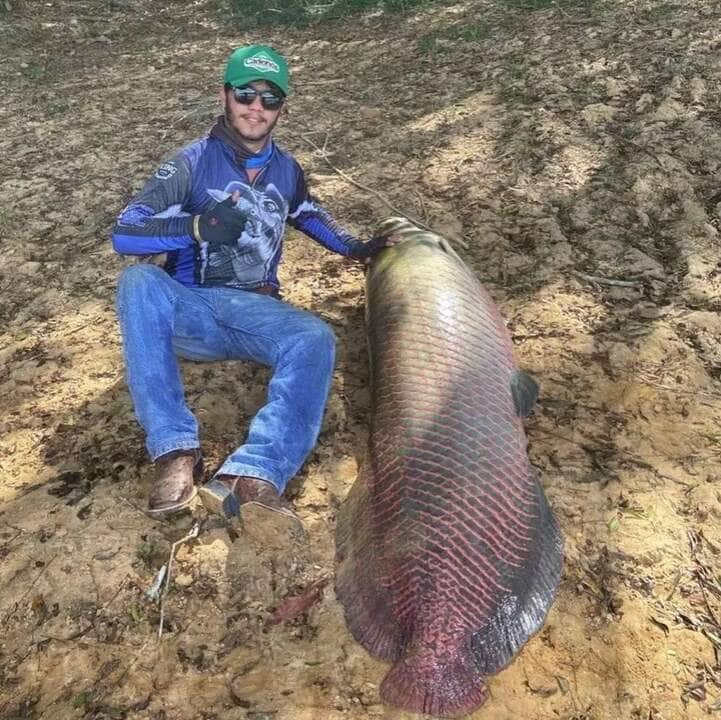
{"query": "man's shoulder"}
(284, 156)
(195, 149)
(187, 156)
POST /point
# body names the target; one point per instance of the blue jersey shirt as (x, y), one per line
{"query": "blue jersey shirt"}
(158, 219)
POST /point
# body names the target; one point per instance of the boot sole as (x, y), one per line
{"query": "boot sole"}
(217, 498)
(171, 509)
(267, 526)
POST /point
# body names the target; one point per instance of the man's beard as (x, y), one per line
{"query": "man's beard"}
(270, 127)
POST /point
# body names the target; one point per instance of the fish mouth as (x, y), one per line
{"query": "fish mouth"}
(403, 229)
(395, 226)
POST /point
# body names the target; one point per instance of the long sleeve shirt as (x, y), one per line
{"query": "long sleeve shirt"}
(159, 218)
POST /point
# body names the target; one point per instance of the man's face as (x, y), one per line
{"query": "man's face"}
(252, 122)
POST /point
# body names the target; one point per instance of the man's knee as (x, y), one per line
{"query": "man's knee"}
(325, 337)
(317, 338)
(141, 282)
(137, 277)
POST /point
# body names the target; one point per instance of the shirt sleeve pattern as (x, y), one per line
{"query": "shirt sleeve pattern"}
(317, 223)
(154, 221)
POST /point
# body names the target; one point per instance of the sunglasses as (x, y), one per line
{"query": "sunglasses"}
(246, 95)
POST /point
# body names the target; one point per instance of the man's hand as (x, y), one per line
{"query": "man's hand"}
(393, 239)
(376, 244)
(220, 225)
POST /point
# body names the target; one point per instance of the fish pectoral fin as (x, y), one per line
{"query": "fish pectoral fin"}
(525, 392)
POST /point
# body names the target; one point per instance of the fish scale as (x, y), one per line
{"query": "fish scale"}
(448, 553)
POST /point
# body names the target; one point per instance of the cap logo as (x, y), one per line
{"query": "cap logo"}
(262, 62)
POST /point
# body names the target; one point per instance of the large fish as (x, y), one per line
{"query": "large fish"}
(448, 553)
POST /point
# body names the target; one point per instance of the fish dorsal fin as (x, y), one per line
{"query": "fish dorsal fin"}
(525, 392)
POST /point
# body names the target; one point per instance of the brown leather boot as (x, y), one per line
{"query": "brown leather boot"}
(175, 476)
(261, 509)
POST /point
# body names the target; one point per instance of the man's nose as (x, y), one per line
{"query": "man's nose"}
(256, 101)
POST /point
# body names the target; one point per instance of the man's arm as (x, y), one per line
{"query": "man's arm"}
(154, 221)
(317, 223)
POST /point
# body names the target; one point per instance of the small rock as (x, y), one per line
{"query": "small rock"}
(370, 114)
(614, 88)
(598, 114)
(648, 311)
(644, 102)
(643, 264)
(697, 89)
(254, 687)
(31, 267)
(183, 580)
(669, 111)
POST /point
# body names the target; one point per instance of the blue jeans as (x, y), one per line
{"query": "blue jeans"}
(161, 320)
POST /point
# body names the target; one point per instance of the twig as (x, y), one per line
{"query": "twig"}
(327, 81)
(122, 498)
(324, 155)
(125, 672)
(111, 600)
(676, 580)
(33, 645)
(20, 531)
(679, 391)
(193, 533)
(26, 593)
(322, 152)
(629, 456)
(95, 586)
(598, 280)
(69, 638)
(701, 572)
(79, 328)
(200, 109)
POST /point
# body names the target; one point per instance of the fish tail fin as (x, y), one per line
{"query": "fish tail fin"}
(450, 689)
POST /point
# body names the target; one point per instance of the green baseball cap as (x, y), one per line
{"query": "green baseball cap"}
(257, 62)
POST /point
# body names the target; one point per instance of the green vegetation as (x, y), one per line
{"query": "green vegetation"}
(433, 41)
(301, 13)
(146, 552)
(80, 700)
(136, 613)
(532, 5)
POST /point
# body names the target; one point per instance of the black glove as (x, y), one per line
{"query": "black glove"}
(369, 248)
(219, 225)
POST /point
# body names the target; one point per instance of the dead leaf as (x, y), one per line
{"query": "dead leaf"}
(665, 628)
(295, 605)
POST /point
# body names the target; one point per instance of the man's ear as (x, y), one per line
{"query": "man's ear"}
(285, 110)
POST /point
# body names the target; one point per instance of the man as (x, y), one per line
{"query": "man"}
(218, 210)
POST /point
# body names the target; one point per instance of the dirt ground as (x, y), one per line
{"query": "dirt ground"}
(575, 149)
